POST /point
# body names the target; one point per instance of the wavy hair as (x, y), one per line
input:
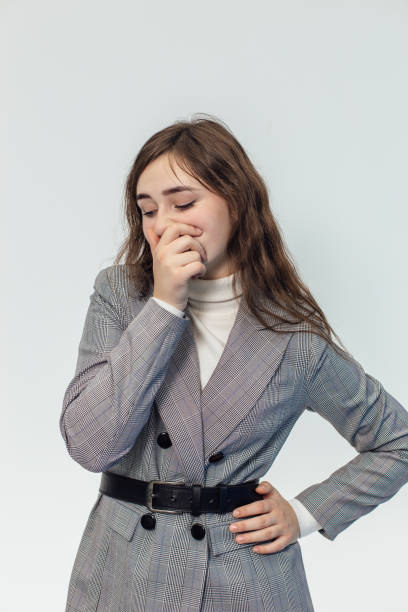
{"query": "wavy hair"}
(206, 149)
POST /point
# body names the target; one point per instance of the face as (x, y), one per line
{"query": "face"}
(205, 210)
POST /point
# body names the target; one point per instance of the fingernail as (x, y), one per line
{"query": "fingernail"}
(236, 513)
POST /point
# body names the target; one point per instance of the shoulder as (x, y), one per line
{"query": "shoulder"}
(113, 279)
(113, 285)
(311, 348)
(320, 359)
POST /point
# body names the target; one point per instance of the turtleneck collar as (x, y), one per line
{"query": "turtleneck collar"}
(212, 290)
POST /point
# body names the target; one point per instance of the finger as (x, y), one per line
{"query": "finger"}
(253, 524)
(151, 238)
(259, 535)
(201, 250)
(272, 547)
(178, 229)
(264, 487)
(256, 507)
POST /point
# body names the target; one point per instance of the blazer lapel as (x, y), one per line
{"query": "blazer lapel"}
(248, 362)
(198, 421)
(178, 403)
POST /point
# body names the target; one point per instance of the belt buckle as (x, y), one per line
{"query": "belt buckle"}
(150, 492)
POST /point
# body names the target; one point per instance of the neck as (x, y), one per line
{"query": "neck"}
(213, 290)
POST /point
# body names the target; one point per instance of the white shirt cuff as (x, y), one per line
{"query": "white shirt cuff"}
(171, 308)
(307, 522)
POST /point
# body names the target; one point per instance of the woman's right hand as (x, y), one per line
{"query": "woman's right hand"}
(177, 257)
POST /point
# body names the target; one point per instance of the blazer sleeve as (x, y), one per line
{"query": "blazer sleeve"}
(118, 373)
(171, 308)
(307, 522)
(372, 421)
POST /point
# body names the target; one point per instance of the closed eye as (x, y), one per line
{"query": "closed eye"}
(148, 214)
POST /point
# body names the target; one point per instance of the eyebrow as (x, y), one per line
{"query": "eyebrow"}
(165, 192)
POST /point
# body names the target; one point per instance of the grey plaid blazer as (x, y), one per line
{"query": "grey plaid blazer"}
(137, 375)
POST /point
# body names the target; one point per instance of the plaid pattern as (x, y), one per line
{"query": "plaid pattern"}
(137, 375)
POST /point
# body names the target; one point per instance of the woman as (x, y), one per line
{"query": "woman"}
(198, 355)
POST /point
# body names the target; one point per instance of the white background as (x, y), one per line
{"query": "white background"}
(317, 94)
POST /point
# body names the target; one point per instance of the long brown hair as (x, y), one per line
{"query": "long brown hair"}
(207, 150)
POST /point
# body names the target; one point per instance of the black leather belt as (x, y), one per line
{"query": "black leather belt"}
(174, 498)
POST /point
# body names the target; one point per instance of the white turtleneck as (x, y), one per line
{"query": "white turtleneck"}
(213, 309)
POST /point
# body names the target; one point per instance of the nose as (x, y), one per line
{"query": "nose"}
(162, 220)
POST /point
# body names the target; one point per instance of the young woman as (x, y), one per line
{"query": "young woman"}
(198, 355)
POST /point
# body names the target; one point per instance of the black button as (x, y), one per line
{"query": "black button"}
(163, 440)
(216, 456)
(197, 531)
(148, 521)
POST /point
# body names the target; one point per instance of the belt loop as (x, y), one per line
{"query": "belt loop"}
(195, 499)
(223, 499)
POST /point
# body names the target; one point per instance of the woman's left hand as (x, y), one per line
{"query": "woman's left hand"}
(277, 520)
